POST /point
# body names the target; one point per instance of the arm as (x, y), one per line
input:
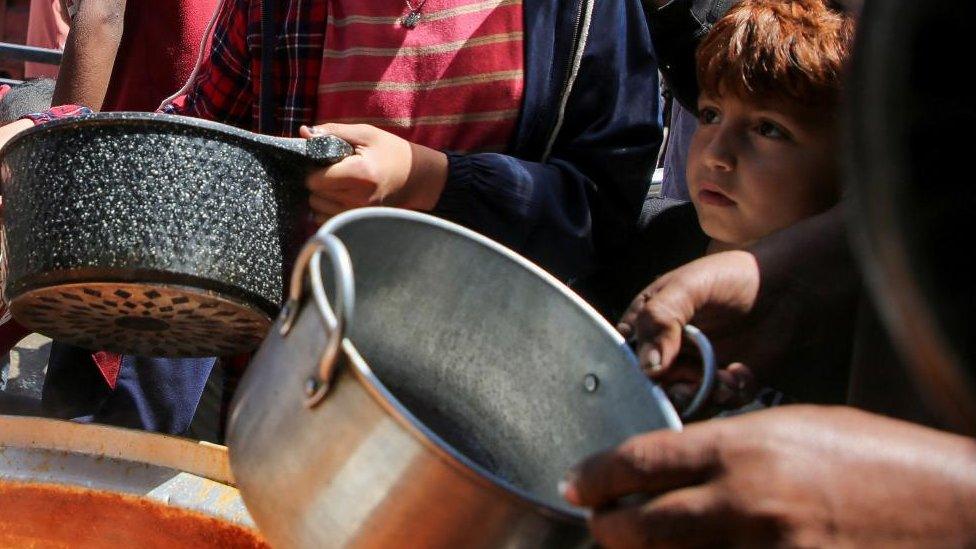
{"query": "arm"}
(795, 283)
(89, 53)
(8, 131)
(791, 476)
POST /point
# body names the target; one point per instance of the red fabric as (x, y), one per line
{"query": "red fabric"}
(160, 43)
(159, 48)
(46, 28)
(452, 82)
(227, 88)
(109, 365)
(56, 113)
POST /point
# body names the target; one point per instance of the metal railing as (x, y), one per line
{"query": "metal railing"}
(20, 52)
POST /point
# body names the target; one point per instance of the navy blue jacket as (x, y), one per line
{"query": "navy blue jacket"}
(569, 192)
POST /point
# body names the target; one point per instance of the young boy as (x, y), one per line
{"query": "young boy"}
(765, 152)
(764, 156)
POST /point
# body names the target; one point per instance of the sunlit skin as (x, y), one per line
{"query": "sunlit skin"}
(754, 169)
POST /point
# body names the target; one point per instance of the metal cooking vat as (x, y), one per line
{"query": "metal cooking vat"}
(64, 484)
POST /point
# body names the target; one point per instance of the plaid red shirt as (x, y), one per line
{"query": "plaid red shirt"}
(227, 88)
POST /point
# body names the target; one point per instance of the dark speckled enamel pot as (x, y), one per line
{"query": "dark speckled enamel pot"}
(153, 234)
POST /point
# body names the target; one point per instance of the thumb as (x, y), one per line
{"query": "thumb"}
(648, 464)
(660, 326)
(354, 134)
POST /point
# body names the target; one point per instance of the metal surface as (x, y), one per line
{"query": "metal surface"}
(472, 380)
(20, 52)
(176, 472)
(153, 199)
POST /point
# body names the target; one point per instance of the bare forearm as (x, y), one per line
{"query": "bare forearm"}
(813, 256)
(89, 53)
(8, 131)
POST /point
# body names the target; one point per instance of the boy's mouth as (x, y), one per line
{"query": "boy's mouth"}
(711, 195)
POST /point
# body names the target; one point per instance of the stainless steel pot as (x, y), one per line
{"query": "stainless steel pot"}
(470, 381)
(66, 484)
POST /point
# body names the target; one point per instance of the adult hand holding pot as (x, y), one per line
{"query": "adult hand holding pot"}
(790, 282)
(386, 170)
(792, 476)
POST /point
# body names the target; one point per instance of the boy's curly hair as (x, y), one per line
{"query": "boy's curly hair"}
(792, 51)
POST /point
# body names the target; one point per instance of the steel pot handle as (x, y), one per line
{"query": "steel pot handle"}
(709, 371)
(334, 319)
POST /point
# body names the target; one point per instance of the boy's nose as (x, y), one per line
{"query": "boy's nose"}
(719, 151)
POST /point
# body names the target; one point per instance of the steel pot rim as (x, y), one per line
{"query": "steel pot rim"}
(379, 392)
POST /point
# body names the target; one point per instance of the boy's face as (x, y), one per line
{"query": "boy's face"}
(754, 169)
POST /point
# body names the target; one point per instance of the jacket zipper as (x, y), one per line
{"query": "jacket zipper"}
(581, 32)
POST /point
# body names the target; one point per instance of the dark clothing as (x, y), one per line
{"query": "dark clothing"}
(677, 29)
(669, 237)
(155, 394)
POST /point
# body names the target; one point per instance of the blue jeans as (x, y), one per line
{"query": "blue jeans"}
(153, 394)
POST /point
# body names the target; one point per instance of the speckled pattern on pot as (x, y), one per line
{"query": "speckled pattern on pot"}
(133, 197)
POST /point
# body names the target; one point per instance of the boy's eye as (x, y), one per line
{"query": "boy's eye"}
(707, 115)
(772, 131)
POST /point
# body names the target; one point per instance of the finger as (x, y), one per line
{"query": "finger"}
(646, 464)
(687, 517)
(734, 387)
(340, 177)
(348, 171)
(661, 322)
(681, 394)
(740, 379)
(686, 366)
(628, 320)
(626, 323)
(680, 372)
(649, 359)
(325, 206)
(354, 134)
(660, 332)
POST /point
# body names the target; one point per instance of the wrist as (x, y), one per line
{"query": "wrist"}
(8, 131)
(427, 177)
